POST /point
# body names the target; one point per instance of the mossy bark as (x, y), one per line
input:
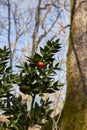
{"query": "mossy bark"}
(74, 115)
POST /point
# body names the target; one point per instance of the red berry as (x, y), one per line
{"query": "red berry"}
(22, 89)
(40, 64)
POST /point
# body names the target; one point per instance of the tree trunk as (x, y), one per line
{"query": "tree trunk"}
(74, 115)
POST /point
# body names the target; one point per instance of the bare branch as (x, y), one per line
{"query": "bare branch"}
(9, 32)
(37, 21)
(46, 32)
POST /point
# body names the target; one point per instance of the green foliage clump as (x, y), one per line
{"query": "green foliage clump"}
(33, 80)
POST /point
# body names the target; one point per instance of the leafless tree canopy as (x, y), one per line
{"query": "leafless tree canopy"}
(25, 24)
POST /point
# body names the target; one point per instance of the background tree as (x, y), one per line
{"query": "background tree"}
(74, 115)
(32, 22)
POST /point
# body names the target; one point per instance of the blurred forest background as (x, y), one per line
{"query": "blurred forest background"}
(26, 25)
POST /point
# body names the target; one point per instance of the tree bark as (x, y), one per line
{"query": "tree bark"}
(74, 115)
